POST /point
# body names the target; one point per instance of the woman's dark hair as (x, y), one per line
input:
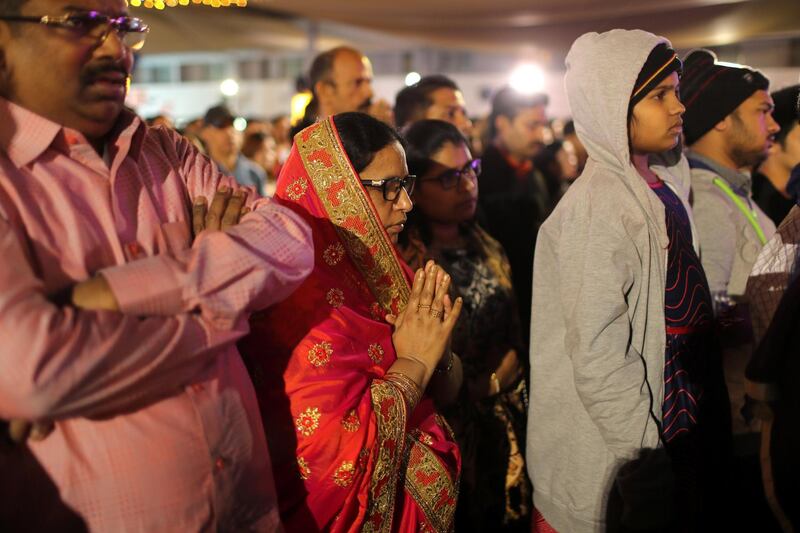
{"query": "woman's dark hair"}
(424, 139)
(364, 136)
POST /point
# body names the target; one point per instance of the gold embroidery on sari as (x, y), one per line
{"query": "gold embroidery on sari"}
(390, 415)
(344, 475)
(319, 355)
(305, 471)
(335, 297)
(333, 254)
(350, 422)
(375, 352)
(363, 460)
(297, 189)
(423, 527)
(377, 312)
(429, 483)
(308, 421)
(350, 211)
(423, 437)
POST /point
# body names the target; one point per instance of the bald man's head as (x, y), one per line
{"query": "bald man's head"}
(341, 80)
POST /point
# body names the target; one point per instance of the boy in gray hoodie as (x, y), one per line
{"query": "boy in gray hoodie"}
(623, 356)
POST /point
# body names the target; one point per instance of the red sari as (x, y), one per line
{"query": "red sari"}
(347, 454)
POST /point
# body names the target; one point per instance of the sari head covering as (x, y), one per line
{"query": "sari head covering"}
(348, 453)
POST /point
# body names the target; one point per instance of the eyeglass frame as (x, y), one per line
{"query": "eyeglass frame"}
(383, 183)
(111, 24)
(468, 168)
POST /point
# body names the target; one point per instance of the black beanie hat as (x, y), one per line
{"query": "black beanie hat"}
(786, 113)
(661, 62)
(711, 91)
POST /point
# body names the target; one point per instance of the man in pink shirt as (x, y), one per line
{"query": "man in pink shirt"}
(117, 324)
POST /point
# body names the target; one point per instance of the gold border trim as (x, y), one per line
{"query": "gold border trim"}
(345, 202)
(390, 415)
(438, 498)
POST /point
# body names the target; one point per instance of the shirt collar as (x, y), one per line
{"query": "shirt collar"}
(738, 180)
(24, 135)
(520, 169)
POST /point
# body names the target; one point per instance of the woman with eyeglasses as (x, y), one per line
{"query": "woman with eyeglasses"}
(345, 368)
(489, 418)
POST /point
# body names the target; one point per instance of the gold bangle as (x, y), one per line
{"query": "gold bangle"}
(407, 387)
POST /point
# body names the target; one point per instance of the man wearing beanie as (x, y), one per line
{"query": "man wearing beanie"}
(729, 129)
(771, 178)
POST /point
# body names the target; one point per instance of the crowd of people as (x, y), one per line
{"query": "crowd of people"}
(396, 317)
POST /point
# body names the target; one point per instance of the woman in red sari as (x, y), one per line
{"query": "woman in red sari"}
(340, 367)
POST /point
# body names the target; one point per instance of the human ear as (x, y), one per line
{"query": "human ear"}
(501, 123)
(724, 124)
(323, 90)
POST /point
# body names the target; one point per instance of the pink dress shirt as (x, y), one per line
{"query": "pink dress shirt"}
(157, 425)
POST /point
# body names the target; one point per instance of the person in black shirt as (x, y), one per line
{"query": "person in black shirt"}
(772, 176)
(514, 198)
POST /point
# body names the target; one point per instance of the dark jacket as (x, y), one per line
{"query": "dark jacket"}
(769, 199)
(511, 210)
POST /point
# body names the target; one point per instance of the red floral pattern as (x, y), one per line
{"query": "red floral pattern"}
(335, 297)
(333, 254)
(320, 354)
(297, 189)
(375, 352)
(305, 471)
(350, 422)
(308, 421)
(344, 474)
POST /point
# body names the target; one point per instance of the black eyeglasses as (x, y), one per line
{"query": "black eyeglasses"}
(94, 25)
(391, 186)
(451, 177)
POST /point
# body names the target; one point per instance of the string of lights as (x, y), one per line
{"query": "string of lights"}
(162, 4)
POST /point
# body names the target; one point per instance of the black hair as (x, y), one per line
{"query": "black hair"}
(569, 128)
(11, 7)
(786, 112)
(424, 139)
(509, 103)
(412, 101)
(364, 136)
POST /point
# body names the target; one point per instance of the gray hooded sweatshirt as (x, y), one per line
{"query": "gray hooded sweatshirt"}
(597, 326)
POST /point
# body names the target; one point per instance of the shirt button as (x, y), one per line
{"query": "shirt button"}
(134, 250)
(219, 463)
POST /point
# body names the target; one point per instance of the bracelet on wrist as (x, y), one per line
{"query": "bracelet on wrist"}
(408, 388)
(416, 360)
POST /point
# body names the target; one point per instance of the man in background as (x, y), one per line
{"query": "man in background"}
(224, 143)
(772, 176)
(433, 97)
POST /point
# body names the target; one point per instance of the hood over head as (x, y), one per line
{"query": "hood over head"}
(602, 69)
